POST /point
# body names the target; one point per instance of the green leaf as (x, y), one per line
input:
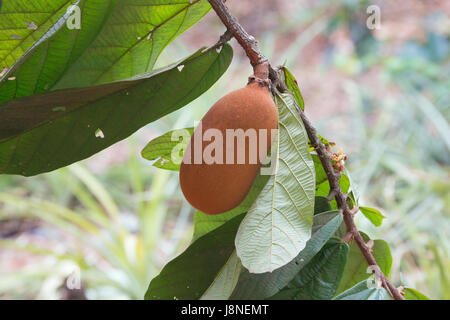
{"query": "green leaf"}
(168, 149)
(319, 279)
(413, 294)
(356, 268)
(321, 176)
(22, 22)
(344, 182)
(264, 285)
(292, 85)
(117, 39)
(227, 278)
(36, 137)
(323, 218)
(324, 189)
(353, 189)
(225, 281)
(204, 223)
(189, 275)
(321, 204)
(373, 215)
(278, 225)
(362, 292)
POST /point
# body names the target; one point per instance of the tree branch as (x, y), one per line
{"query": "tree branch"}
(247, 41)
(261, 67)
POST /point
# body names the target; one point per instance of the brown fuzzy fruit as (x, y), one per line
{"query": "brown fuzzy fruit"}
(218, 187)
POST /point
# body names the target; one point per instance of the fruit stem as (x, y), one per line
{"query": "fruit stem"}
(261, 70)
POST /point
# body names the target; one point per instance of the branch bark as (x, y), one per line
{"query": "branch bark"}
(262, 67)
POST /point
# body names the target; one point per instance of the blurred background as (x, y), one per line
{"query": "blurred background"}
(104, 227)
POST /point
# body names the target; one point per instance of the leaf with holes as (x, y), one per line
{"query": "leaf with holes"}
(48, 131)
(116, 39)
(278, 225)
(23, 22)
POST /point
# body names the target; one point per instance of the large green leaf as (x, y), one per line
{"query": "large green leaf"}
(48, 131)
(117, 39)
(361, 291)
(192, 273)
(356, 267)
(278, 225)
(264, 285)
(319, 279)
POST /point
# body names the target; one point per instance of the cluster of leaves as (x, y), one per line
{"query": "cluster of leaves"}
(66, 94)
(283, 241)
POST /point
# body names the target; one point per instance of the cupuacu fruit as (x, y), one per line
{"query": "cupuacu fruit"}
(219, 187)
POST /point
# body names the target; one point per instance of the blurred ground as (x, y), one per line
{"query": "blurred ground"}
(381, 95)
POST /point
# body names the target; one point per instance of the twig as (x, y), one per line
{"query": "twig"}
(247, 41)
(261, 67)
(224, 38)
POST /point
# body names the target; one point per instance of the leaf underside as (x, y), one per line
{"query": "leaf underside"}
(278, 225)
(361, 291)
(265, 285)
